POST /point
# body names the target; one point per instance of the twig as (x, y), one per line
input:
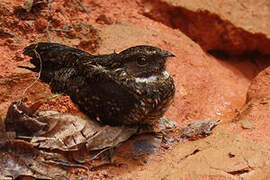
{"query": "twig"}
(25, 137)
(81, 6)
(3, 32)
(39, 74)
(64, 163)
(50, 5)
(102, 151)
(49, 20)
(47, 30)
(66, 30)
(60, 30)
(2, 126)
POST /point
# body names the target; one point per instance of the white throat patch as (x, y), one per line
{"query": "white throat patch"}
(165, 75)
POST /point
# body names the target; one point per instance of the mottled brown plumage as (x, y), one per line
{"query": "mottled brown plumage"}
(126, 88)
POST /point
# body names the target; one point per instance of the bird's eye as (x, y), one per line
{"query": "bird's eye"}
(142, 61)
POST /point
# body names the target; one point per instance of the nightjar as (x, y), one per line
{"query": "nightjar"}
(127, 88)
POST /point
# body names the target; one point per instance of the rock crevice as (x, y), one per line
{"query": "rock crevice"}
(211, 29)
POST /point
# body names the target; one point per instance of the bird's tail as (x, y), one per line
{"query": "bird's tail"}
(52, 56)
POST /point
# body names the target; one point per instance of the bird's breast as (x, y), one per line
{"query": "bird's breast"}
(154, 94)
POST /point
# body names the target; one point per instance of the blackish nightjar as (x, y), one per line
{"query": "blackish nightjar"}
(127, 88)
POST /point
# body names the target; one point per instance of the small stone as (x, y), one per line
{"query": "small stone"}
(198, 129)
(102, 19)
(246, 124)
(147, 144)
(28, 5)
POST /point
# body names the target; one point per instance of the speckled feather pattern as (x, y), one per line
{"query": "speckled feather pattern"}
(130, 87)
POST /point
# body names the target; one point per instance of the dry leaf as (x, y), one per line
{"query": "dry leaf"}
(65, 132)
(68, 133)
(20, 119)
(19, 158)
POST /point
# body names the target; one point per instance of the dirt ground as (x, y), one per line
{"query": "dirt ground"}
(208, 86)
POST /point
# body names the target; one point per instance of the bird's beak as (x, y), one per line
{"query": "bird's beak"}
(168, 54)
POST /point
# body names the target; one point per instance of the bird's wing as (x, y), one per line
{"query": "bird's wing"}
(69, 79)
(67, 69)
(53, 55)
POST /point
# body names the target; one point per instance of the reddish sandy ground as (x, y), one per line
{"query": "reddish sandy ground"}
(207, 87)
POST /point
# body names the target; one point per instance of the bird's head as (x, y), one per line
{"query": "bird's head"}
(144, 61)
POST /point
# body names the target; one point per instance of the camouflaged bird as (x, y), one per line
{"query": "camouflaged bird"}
(127, 88)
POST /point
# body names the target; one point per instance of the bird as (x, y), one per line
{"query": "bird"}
(129, 88)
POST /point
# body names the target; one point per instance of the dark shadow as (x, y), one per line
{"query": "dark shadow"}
(250, 63)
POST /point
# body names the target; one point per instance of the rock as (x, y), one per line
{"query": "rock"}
(255, 113)
(259, 86)
(219, 156)
(234, 27)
